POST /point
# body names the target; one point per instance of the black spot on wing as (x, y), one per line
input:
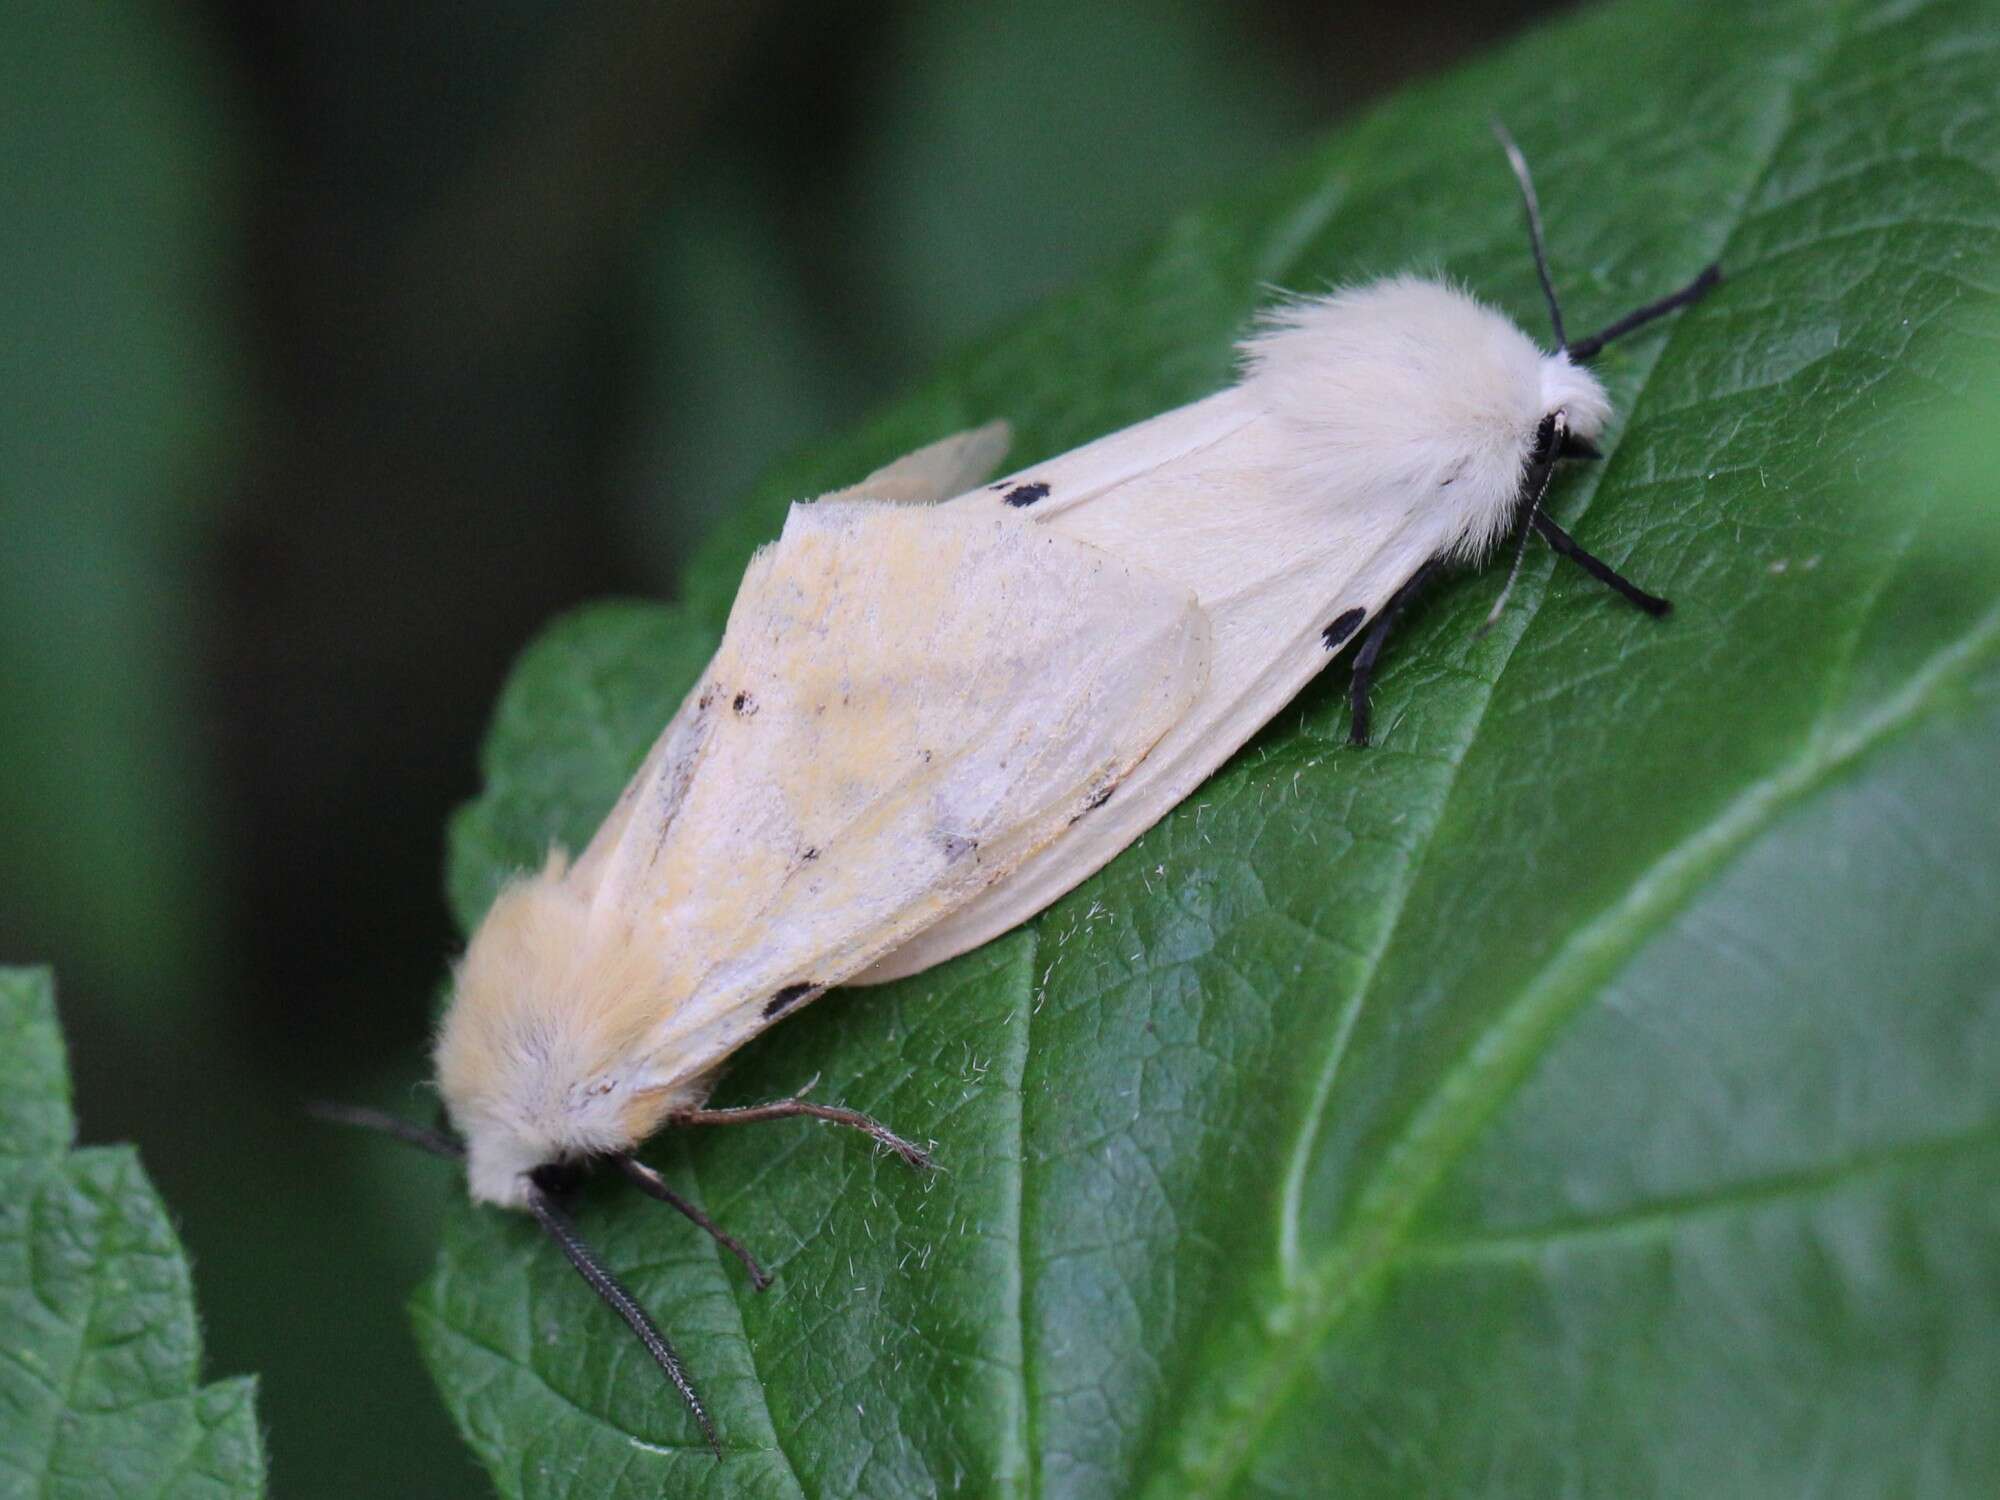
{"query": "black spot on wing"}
(1026, 494)
(786, 998)
(1342, 627)
(1094, 801)
(744, 704)
(957, 846)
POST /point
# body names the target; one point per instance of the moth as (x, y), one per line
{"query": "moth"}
(1378, 437)
(939, 703)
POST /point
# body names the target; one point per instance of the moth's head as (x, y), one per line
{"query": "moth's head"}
(1536, 409)
(531, 1079)
(535, 1059)
(1573, 400)
(1412, 387)
(1569, 418)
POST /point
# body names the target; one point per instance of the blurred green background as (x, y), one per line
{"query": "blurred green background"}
(340, 346)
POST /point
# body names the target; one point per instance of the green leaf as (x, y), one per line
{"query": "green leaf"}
(100, 1355)
(1593, 1089)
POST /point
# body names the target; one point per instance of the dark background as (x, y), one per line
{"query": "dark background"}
(341, 344)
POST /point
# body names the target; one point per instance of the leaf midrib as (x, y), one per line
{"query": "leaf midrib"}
(85, 1329)
(1439, 1132)
(1312, 1300)
(1662, 1217)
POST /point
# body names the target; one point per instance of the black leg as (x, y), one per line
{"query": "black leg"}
(1364, 674)
(1711, 275)
(1371, 649)
(1602, 571)
(654, 1185)
(797, 1107)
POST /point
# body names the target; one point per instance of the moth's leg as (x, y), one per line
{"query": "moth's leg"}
(1602, 571)
(1371, 648)
(797, 1107)
(1710, 277)
(654, 1185)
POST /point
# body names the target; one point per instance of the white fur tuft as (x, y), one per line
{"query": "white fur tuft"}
(1412, 407)
(1574, 391)
(536, 1060)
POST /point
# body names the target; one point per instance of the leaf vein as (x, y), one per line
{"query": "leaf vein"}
(1660, 1217)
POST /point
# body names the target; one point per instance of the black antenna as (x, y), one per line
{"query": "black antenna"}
(569, 1239)
(562, 1229)
(409, 1132)
(1705, 281)
(1520, 165)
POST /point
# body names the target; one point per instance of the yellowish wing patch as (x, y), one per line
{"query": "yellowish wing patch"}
(948, 467)
(907, 703)
(1273, 564)
(937, 471)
